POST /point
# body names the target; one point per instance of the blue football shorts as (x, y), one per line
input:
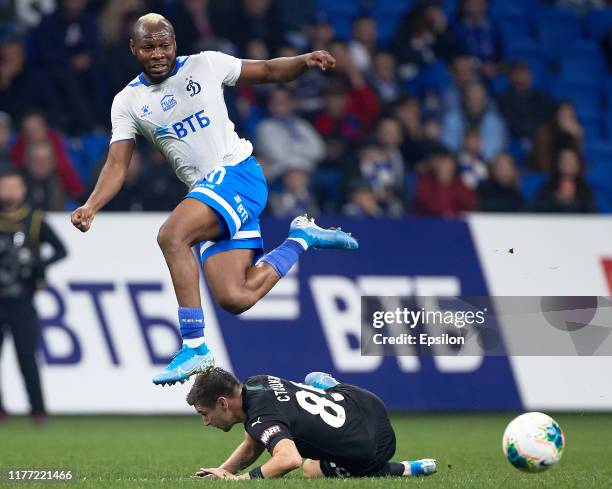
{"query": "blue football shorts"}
(238, 195)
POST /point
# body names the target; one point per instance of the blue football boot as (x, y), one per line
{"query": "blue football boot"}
(185, 363)
(304, 227)
(425, 466)
(320, 380)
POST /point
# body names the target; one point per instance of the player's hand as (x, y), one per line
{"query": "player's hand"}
(320, 59)
(82, 218)
(217, 473)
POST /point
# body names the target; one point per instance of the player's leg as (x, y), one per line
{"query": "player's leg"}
(190, 223)
(312, 469)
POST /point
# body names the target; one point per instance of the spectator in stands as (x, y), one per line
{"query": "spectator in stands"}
(463, 72)
(295, 197)
(163, 190)
(256, 19)
(561, 130)
(320, 34)
(5, 141)
(34, 129)
(476, 112)
(22, 89)
(441, 192)
(423, 37)
(363, 202)
(567, 190)
(195, 23)
(524, 107)
(501, 192)
(470, 162)
(286, 141)
(362, 48)
(337, 118)
(45, 190)
(384, 78)
(132, 195)
(384, 177)
(28, 14)
(408, 112)
(72, 32)
(361, 98)
(478, 34)
(308, 89)
(389, 138)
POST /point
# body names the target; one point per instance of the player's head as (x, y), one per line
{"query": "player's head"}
(217, 396)
(154, 44)
(13, 190)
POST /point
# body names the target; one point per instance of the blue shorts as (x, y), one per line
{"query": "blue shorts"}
(238, 195)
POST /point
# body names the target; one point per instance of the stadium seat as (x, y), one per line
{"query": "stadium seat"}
(554, 27)
(598, 153)
(390, 7)
(582, 58)
(340, 7)
(506, 10)
(531, 183)
(599, 22)
(512, 28)
(343, 25)
(523, 49)
(608, 125)
(582, 96)
(386, 26)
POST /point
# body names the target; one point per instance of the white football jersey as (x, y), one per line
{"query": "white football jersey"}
(185, 116)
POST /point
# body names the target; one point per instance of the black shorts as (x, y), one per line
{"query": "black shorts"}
(383, 450)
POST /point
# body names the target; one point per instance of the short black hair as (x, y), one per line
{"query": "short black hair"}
(211, 385)
(7, 172)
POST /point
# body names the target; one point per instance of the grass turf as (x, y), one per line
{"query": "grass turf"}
(147, 452)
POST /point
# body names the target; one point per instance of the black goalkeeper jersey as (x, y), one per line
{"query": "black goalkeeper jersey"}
(346, 425)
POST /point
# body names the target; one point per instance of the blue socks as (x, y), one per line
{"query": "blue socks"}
(284, 256)
(191, 324)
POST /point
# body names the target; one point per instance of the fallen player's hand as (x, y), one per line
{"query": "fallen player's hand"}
(82, 218)
(216, 474)
(320, 59)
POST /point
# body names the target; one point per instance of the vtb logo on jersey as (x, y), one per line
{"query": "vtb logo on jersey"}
(193, 87)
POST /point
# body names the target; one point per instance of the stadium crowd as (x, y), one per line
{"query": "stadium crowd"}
(434, 108)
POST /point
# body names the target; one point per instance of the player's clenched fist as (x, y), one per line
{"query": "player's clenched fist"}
(320, 59)
(82, 218)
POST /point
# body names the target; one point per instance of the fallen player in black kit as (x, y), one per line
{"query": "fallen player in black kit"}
(341, 429)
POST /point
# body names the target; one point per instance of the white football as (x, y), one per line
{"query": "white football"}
(533, 442)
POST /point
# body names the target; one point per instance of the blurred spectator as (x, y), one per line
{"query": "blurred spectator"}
(471, 165)
(28, 14)
(44, 187)
(163, 191)
(561, 130)
(362, 47)
(120, 64)
(320, 34)
(475, 112)
(567, 189)
(390, 138)
(524, 108)
(441, 191)
(361, 98)
(363, 202)
(295, 197)
(478, 34)
(21, 89)
(255, 19)
(501, 192)
(423, 37)
(34, 130)
(408, 113)
(463, 73)
(337, 119)
(195, 22)
(72, 31)
(384, 78)
(5, 140)
(295, 14)
(284, 140)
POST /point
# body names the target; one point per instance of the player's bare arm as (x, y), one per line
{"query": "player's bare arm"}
(244, 455)
(109, 183)
(282, 70)
(285, 458)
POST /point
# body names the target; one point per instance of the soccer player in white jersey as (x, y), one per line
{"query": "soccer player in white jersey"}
(177, 103)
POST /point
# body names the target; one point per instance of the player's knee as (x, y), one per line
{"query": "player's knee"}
(167, 239)
(236, 301)
(311, 469)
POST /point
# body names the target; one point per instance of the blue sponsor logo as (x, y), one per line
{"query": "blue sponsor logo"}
(168, 102)
(190, 124)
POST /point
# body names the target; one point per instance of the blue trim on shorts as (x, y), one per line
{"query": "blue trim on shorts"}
(230, 225)
(255, 244)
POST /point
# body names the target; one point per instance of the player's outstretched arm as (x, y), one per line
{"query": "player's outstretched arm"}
(245, 454)
(282, 70)
(109, 183)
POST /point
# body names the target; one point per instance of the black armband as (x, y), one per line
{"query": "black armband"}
(256, 473)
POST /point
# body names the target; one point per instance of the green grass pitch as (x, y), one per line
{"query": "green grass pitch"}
(152, 452)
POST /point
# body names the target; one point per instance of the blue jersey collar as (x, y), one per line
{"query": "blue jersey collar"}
(180, 61)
